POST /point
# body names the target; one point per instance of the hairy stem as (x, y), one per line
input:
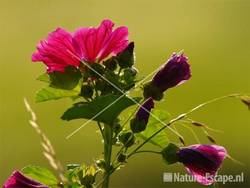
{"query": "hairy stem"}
(108, 134)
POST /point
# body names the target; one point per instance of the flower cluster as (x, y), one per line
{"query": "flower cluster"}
(94, 66)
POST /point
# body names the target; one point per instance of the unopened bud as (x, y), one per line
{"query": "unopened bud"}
(127, 138)
(121, 158)
(126, 57)
(139, 123)
(111, 63)
(96, 70)
(86, 91)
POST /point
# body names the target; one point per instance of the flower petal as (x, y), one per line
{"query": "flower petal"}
(56, 51)
(117, 42)
(89, 42)
(18, 180)
(202, 161)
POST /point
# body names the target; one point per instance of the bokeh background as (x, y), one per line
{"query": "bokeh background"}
(215, 34)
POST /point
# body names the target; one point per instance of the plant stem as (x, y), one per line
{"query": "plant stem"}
(108, 135)
(147, 151)
(100, 128)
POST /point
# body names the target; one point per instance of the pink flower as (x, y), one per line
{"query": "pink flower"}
(202, 161)
(95, 44)
(18, 180)
(175, 72)
(57, 51)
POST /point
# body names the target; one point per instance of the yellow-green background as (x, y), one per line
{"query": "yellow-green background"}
(215, 34)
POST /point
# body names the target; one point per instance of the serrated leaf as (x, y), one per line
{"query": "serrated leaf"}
(90, 110)
(40, 174)
(50, 93)
(154, 125)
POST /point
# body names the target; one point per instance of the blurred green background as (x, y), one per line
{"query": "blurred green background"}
(215, 34)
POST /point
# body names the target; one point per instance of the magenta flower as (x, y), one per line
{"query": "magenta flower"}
(140, 121)
(202, 161)
(57, 51)
(95, 44)
(18, 180)
(175, 72)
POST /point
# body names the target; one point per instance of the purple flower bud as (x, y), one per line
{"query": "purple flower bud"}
(140, 121)
(202, 161)
(143, 112)
(175, 72)
(18, 180)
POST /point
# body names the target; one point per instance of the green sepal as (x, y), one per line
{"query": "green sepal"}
(170, 153)
(137, 125)
(149, 90)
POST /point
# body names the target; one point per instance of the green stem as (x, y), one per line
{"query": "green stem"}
(147, 151)
(108, 134)
(100, 128)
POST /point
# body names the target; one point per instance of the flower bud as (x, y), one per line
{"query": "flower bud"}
(89, 176)
(111, 63)
(139, 123)
(96, 70)
(175, 72)
(87, 91)
(127, 138)
(131, 71)
(126, 57)
(101, 164)
(121, 158)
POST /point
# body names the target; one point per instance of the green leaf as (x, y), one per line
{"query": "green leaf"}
(91, 109)
(154, 125)
(44, 77)
(50, 93)
(67, 80)
(41, 175)
(61, 84)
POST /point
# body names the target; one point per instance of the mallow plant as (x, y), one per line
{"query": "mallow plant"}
(95, 68)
